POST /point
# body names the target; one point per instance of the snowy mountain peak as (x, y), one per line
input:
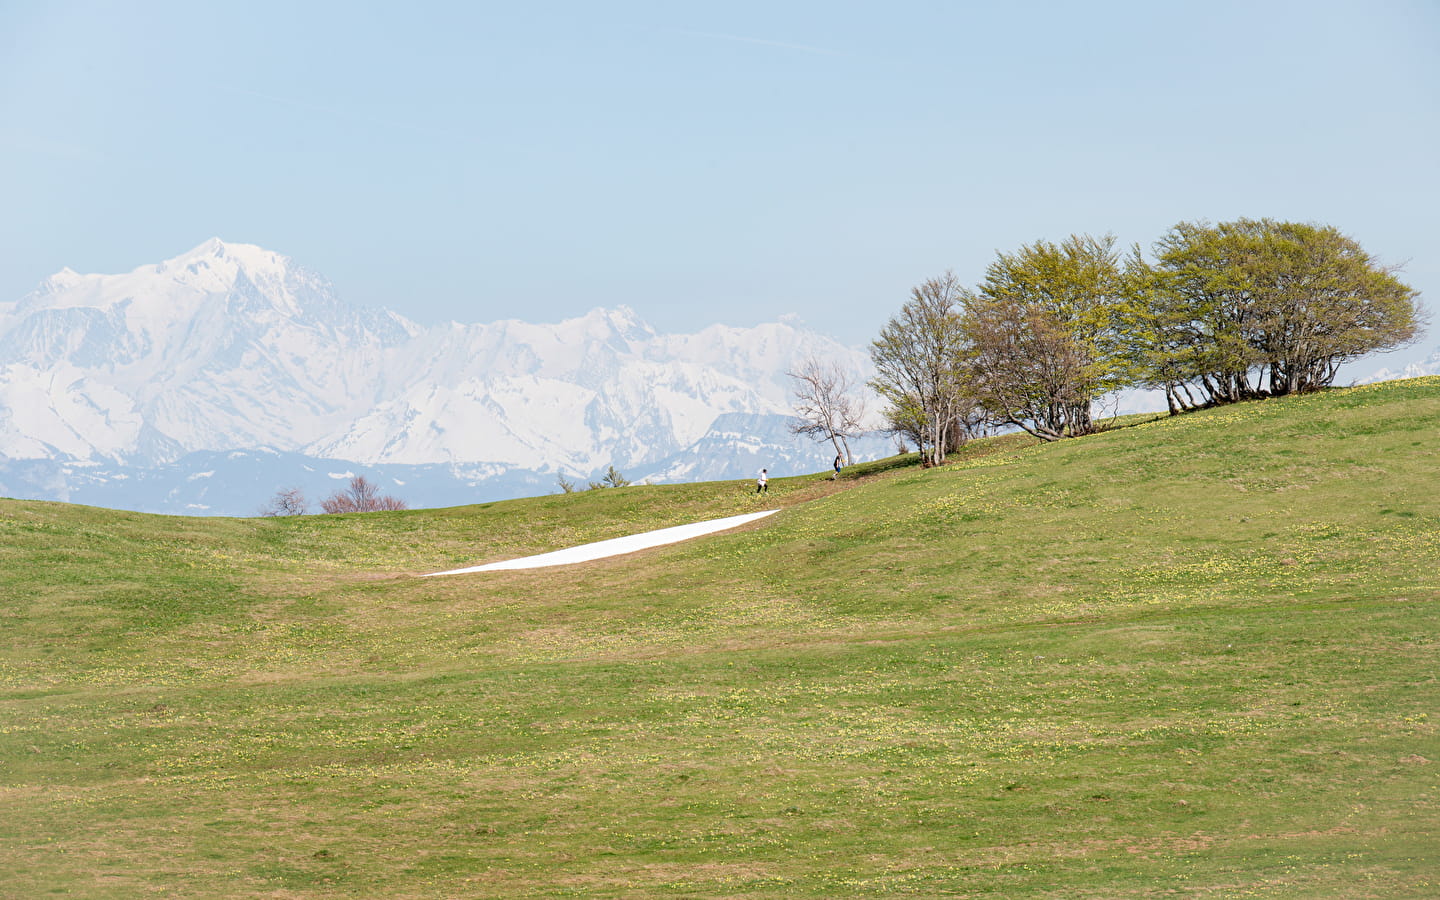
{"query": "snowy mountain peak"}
(61, 281)
(619, 322)
(242, 256)
(1428, 366)
(216, 265)
(172, 289)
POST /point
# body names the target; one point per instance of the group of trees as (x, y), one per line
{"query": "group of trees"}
(359, 495)
(1227, 312)
(1252, 309)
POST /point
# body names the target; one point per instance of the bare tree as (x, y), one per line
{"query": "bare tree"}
(825, 405)
(361, 495)
(565, 484)
(918, 372)
(612, 478)
(286, 502)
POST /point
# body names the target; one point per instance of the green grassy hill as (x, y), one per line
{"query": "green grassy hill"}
(1194, 657)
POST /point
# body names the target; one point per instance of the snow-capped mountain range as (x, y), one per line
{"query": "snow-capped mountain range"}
(231, 347)
(1428, 366)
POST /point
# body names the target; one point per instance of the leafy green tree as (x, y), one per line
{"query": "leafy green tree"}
(1255, 308)
(1044, 335)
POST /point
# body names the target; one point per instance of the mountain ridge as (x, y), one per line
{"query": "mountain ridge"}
(235, 347)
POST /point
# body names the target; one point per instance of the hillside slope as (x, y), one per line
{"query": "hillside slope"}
(1192, 657)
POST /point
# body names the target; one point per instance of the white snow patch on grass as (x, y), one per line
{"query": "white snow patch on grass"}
(614, 546)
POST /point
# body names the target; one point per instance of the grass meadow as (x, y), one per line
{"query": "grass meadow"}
(1188, 657)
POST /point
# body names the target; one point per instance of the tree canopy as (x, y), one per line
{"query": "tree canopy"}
(1256, 308)
(1042, 335)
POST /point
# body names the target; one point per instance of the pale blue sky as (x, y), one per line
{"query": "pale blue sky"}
(710, 162)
